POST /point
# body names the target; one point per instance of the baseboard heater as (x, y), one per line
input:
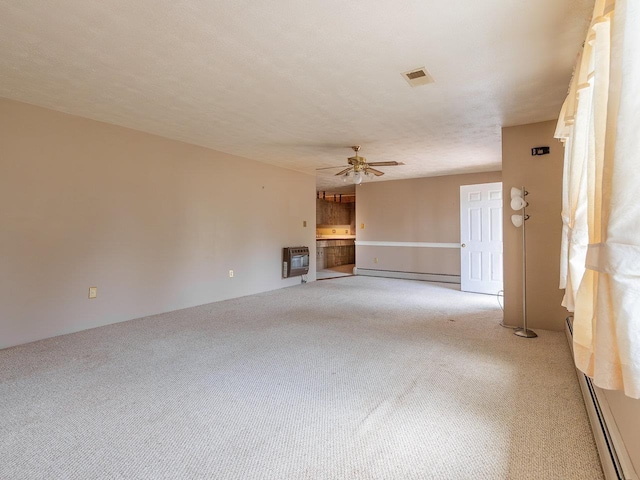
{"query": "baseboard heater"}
(429, 277)
(614, 458)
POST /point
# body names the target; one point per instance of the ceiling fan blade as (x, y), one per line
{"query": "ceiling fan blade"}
(377, 173)
(344, 171)
(385, 164)
(328, 168)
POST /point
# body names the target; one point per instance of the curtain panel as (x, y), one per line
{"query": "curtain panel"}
(600, 270)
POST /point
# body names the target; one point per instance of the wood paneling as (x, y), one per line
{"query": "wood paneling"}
(333, 253)
(332, 213)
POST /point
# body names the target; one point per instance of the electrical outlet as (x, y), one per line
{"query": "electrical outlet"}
(375, 260)
(362, 225)
(304, 223)
(93, 292)
(230, 273)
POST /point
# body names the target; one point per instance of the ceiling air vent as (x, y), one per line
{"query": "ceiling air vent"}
(418, 76)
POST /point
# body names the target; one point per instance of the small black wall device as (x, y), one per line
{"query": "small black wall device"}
(540, 151)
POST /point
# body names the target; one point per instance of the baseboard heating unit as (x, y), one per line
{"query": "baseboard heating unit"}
(614, 458)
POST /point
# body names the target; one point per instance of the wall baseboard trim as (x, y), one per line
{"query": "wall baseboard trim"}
(428, 277)
(614, 458)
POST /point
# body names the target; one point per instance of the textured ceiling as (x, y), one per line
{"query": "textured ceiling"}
(295, 83)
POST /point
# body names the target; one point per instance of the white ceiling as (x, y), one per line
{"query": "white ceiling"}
(295, 83)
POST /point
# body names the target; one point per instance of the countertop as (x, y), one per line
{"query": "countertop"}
(335, 237)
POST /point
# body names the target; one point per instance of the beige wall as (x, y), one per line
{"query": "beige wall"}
(155, 224)
(542, 177)
(416, 210)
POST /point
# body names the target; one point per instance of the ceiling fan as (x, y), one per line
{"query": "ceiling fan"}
(359, 167)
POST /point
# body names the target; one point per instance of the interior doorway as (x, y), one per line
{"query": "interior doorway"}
(481, 238)
(335, 234)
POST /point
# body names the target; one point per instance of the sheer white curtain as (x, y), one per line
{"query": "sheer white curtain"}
(573, 129)
(600, 126)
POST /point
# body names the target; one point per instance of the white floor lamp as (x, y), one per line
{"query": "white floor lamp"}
(519, 203)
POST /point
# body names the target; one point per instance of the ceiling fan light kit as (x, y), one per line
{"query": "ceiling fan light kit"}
(356, 177)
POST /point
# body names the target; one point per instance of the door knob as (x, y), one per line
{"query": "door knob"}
(463, 245)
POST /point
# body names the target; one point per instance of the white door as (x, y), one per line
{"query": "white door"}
(481, 238)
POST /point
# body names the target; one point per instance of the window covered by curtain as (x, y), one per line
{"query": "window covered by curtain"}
(600, 127)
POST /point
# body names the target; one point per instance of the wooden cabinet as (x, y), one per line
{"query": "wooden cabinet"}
(332, 213)
(333, 253)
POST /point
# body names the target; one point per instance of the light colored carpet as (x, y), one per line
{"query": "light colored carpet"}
(352, 378)
(335, 272)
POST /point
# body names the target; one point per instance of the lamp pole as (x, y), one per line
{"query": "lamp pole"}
(524, 331)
